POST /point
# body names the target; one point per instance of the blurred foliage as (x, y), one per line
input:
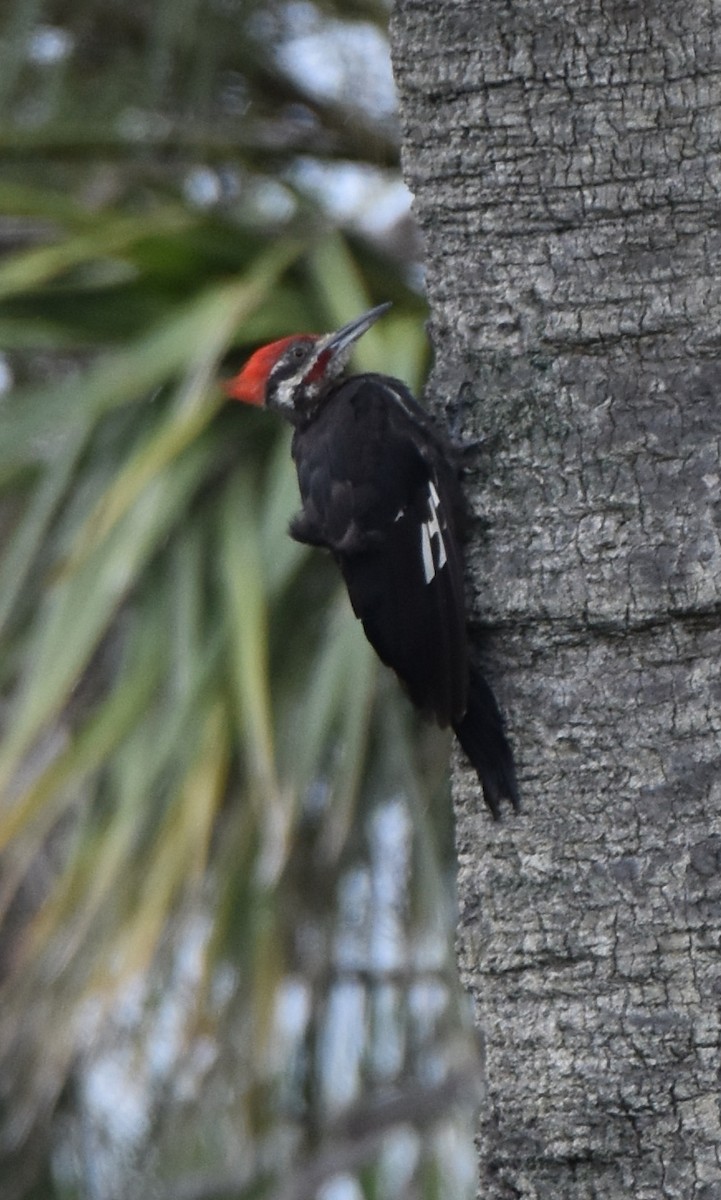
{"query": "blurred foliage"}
(196, 736)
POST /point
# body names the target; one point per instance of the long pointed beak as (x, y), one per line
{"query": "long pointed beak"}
(339, 341)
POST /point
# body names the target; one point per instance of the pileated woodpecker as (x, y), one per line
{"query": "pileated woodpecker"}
(379, 491)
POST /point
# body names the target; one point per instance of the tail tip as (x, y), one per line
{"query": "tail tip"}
(494, 793)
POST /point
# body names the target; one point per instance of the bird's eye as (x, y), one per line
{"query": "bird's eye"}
(299, 352)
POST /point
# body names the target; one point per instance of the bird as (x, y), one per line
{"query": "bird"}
(380, 490)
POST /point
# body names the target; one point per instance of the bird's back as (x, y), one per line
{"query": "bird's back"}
(378, 491)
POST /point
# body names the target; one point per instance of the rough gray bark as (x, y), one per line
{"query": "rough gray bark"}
(566, 165)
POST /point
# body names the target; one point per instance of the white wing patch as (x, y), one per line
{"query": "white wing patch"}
(433, 548)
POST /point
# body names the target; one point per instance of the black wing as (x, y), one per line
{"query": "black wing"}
(378, 491)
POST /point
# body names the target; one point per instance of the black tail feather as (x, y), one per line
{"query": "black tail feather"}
(482, 735)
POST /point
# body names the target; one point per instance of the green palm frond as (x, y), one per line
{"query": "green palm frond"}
(149, 577)
(194, 727)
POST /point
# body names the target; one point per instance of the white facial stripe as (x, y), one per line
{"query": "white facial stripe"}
(431, 529)
(284, 393)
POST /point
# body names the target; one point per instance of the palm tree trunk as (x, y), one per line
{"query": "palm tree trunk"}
(566, 161)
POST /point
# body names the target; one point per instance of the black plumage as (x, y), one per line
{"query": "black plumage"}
(379, 490)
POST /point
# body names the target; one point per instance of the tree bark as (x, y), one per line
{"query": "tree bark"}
(566, 164)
